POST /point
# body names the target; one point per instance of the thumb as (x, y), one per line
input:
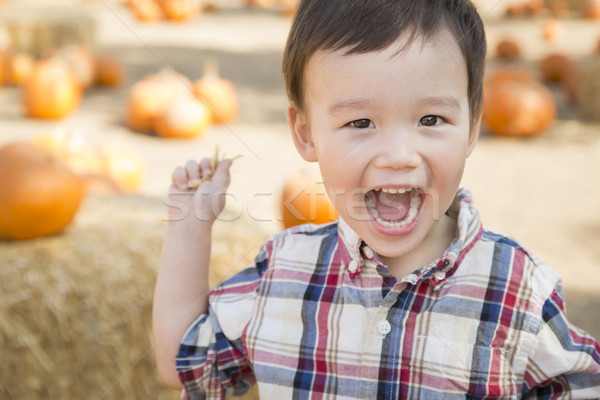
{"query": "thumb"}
(221, 177)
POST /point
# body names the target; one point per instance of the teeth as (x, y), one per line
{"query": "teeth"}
(415, 202)
(395, 190)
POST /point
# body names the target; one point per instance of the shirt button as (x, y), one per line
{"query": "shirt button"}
(384, 327)
(353, 266)
(439, 275)
(368, 252)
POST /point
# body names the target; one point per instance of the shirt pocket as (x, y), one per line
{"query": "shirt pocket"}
(439, 364)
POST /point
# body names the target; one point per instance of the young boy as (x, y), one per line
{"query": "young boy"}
(406, 295)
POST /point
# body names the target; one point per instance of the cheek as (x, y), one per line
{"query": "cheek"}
(332, 148)
(446, 164)
(338, 163)
(448, 155)
(448, 172)
(336, 175)
(342, 184)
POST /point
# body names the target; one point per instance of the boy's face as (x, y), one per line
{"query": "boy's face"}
(386, 122)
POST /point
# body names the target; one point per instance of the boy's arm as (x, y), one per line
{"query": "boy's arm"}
(565, 360)
(181, 290)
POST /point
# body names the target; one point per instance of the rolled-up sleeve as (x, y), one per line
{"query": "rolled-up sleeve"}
(210, 364)
(565, 363)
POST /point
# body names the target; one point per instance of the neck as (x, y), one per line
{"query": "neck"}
(431, 248)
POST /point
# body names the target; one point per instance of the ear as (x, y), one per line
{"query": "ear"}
(300, 129)
(474, 135)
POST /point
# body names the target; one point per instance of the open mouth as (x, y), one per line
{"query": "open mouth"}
(395, 208)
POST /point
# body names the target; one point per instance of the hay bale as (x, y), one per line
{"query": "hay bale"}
(75, 309)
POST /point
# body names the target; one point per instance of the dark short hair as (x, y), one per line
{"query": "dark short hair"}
(362, 26)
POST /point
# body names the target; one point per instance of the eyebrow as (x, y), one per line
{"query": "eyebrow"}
(360, 103)
(349, 105)
(440, 101)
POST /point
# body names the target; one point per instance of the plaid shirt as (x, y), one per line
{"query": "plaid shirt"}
(317, 316)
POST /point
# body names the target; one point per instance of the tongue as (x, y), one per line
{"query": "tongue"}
(392, 207)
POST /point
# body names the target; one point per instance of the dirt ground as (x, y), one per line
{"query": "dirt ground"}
(543, 191)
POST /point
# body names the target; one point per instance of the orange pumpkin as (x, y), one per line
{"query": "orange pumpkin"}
(552, 30)
(109, 71)
(3, 67)
(518, 106)
(180, 10)
(534, 6)
(515, 10)
(186, 118)
(591, 9)
(70, 148)
(261, 3)
(522, 8)
(19, 67)
(54, 142)
(288, 7)
(147, 98)
(219, 95)
(554, 67)
(508, 49)
(51, 91)
(150, 96)
(39, 195)
(148, 10)
(111, 168)
(209, 6)
(81, 60)
(507, 74)
(123, 166)
(559, 8)
(304, 200)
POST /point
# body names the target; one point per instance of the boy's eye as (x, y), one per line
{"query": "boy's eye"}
(431, 120)
(361, 123)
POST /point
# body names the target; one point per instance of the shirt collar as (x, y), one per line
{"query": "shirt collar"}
(469, 229)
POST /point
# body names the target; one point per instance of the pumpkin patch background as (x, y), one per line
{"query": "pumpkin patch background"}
(81, 300)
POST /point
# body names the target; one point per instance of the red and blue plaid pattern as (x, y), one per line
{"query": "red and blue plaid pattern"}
(484, 321)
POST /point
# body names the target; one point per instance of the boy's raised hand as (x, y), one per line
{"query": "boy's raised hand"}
(197, 192)
(196, 198)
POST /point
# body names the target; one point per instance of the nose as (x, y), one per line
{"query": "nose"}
(397, 149)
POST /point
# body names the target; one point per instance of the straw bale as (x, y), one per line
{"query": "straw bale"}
(75, 309)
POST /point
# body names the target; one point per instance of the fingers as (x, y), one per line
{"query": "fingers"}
(192, 170)
(205, 167)
(180, 178)
(193, 173)
(189, 174)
